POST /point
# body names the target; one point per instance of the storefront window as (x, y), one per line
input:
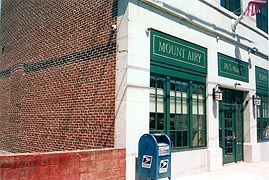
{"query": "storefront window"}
(183, 111)
(263, 119)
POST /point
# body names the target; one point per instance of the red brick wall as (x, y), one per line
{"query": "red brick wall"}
(57, 75)
(103, 164)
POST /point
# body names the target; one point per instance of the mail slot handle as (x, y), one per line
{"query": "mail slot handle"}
(164, 149)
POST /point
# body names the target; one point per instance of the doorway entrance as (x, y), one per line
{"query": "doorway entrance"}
(231, 126)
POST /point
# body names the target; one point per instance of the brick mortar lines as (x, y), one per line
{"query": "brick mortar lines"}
(76, 57)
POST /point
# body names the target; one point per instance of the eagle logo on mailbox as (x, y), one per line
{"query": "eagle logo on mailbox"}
(146, 161)
(163, 166)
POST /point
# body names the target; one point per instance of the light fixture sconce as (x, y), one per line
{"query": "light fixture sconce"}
(253, 50)
(147, 31)
(237, 84)
(217, 93)
(114, 28)
(256, 100)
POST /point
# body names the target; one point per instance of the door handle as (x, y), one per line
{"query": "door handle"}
(233, 137)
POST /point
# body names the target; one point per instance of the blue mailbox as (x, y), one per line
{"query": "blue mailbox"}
(154, 156)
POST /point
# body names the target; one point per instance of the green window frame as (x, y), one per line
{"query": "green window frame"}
(178, 109)
(263, 119)
(232, 5)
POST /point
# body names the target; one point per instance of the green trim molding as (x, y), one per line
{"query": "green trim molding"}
(233, 68)
(173, 51)
(262, 80)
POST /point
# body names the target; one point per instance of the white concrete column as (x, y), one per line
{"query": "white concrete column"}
(214, 153)
(251, 147)
(132, 84)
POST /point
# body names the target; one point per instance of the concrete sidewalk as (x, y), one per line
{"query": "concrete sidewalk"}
(238, 171)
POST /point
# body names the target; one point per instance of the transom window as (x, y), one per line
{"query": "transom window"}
(263, 119)
(177, 108)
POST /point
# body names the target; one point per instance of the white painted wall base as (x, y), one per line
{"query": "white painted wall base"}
(131, 170)
(251, 152)
(214, 159)
(256, 152)
(189, 162)
(183, 163)
(264, 149)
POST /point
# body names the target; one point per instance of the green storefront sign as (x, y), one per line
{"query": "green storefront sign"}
(232, 68)
(262, 80)
(176, 52)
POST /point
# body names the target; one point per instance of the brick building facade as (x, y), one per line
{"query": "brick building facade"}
(57, 75)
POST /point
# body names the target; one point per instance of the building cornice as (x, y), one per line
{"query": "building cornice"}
(159, 5)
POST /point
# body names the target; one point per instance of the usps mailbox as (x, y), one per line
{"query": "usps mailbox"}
(154, 156)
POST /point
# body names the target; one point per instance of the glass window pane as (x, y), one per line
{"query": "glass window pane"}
(156, 119)
(181, 122)
(258, 111)
(172, 97)
(201, 108)
(195, 122)
(200, 96)
(201, 122)
(198, 122)
(198, 138)
(259, 134)
(156, 122)
(198, 119)
(262, 18)
(178, 106)
(184, 106)
(194, 106)
(266, 130)
(172, 104)
(179, 138)
(195, 138)
(258, 123)
(152, 121)
(172, 88)
(160, 121)
(232, 5)
(266, 109)
(160, 102)
(179, 130)
(152, 100)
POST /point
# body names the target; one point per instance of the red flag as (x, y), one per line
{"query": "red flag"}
(254, 7)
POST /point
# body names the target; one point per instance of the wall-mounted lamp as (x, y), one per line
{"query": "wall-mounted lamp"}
(237, 84)
(147, 31)
(2, 49)
(256, 100)
(114, 28)
(217, 93)
(253, 50)
(217, 38)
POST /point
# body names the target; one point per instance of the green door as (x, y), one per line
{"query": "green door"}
(231, 130)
